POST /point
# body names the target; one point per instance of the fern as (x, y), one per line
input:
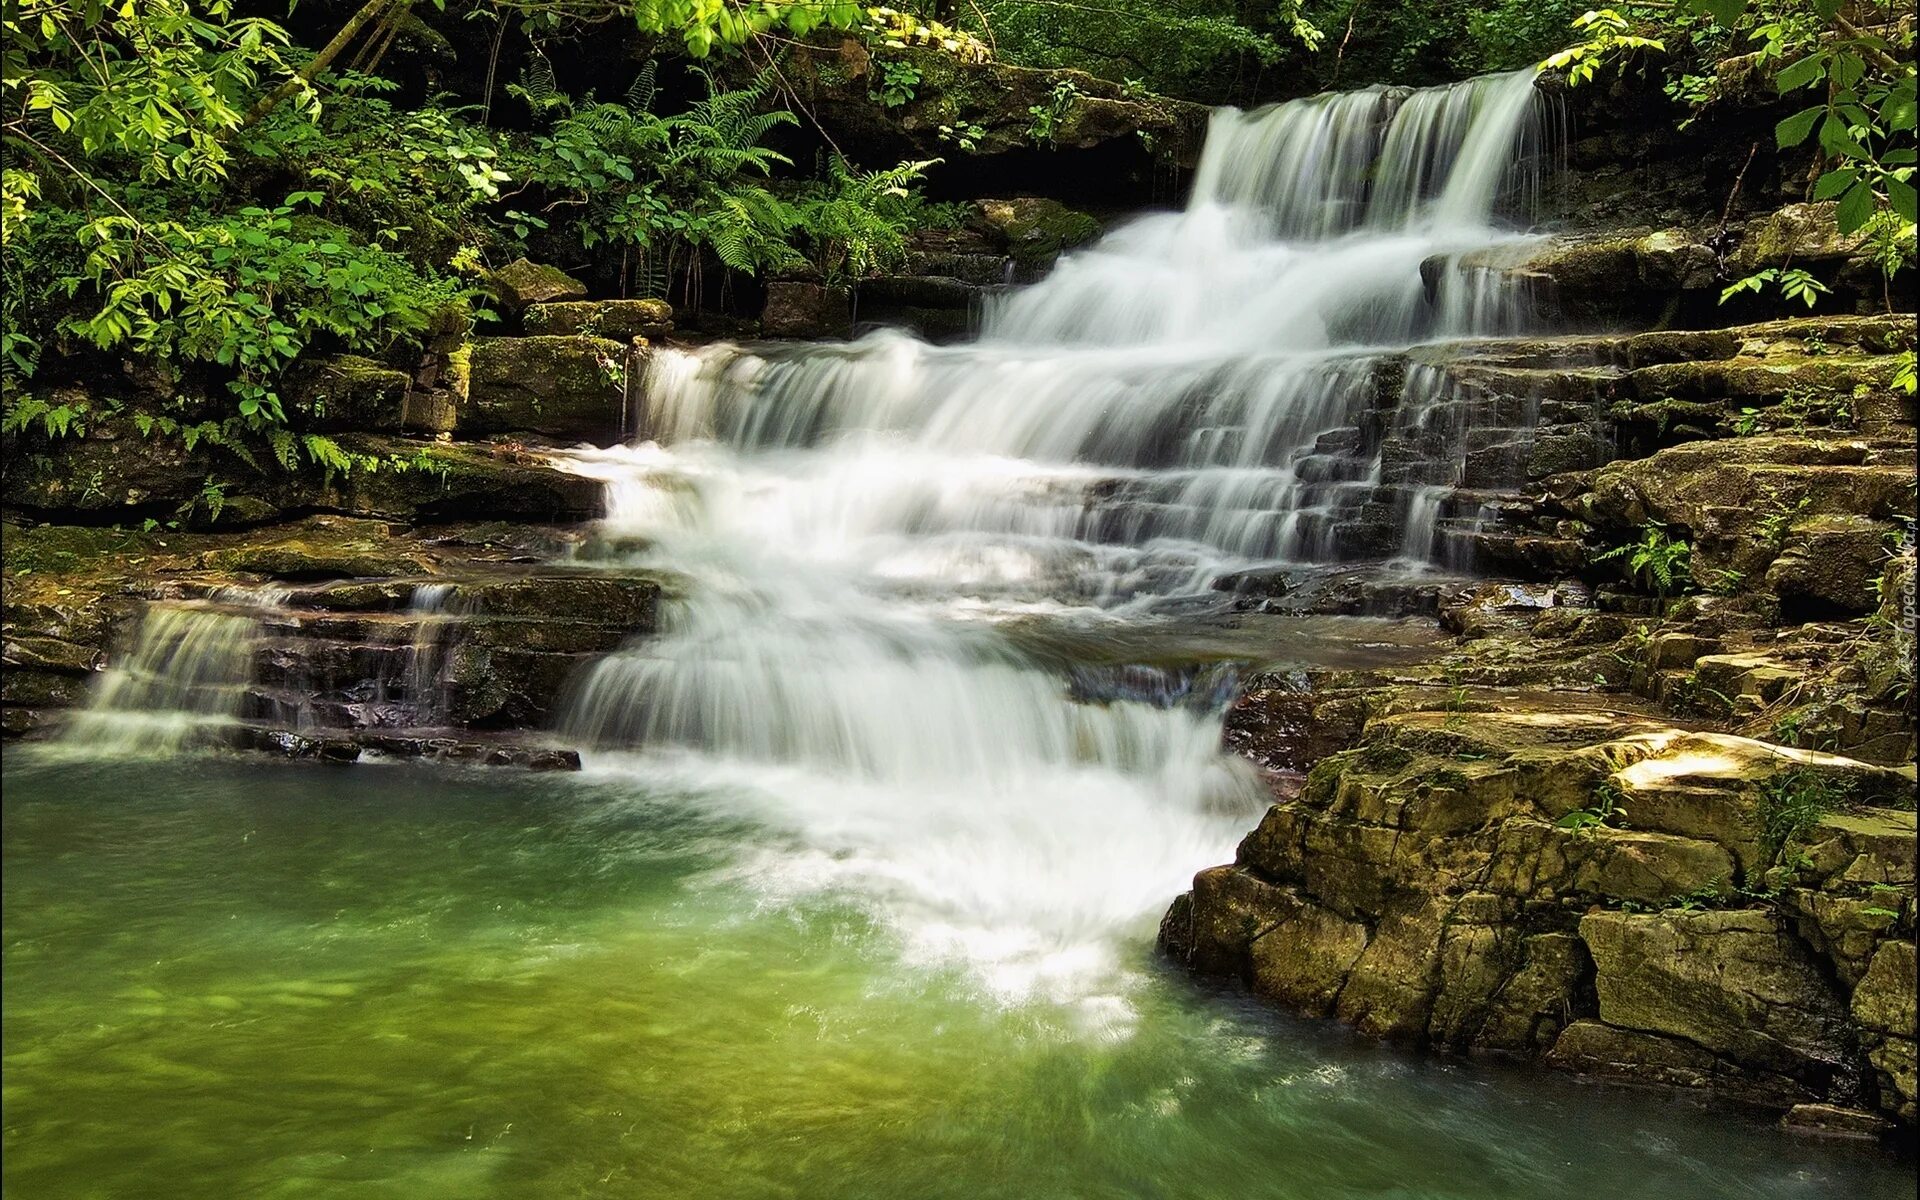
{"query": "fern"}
(640, 95)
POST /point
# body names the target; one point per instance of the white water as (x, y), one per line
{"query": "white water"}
(860, 522)
(181, 682)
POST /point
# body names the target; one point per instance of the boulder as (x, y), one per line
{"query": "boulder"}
(799, 309)
(620, 320)
(1035, 230)
(569, 388)
(521, 283)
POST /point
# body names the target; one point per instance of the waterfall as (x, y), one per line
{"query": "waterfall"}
(883, 537)
(182, 681)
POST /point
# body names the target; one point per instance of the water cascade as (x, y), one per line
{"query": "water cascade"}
(882, 535)
(182, 682)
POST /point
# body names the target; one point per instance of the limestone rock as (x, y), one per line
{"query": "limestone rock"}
(320, 548)
(1734, 983)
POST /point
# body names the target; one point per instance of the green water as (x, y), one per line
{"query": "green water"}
(230, 980)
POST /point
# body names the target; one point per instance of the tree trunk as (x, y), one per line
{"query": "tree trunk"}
(321, 61)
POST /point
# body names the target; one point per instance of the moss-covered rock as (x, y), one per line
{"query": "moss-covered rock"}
(322, 547)
(521, 283)
(620, 320)
(1034, 230)
(349, 392)
(569, 388)
(446, 482)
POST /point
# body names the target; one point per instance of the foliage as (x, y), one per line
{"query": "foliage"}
(157, 208)
(856, 222)
(1794, 284)
(1791, 804)
(896, 82)
(1657, 558)
(1046, 117)
(1605, 810)
(1610, 41)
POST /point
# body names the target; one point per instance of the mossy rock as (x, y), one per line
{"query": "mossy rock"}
(521, 283)
(569, 388)
(455, 482)
(1033, 229)
(319, 548)
(621, 320)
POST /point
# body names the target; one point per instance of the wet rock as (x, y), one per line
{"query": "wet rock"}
(320, 548)
(1835, 1122)
(521, 283)
(619, 320)
(1035, 230)
(1548, 880)
(456, 482)
(568, 388)
(798, 309)
(1733, 983)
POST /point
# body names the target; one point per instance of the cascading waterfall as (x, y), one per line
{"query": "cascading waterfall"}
(867, 525)
(183, 680)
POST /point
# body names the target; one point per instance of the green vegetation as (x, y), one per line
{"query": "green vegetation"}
(1606, 809)
(189, 191)
(1791, 804)
(1658, 558)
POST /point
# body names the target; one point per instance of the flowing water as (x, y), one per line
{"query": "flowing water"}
(856, 894)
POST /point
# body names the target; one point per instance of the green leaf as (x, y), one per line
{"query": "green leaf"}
(1834, 182)
(1856, 208)
(1802, 73)
(1835, 139)
(1794, 130)
(1901, 195)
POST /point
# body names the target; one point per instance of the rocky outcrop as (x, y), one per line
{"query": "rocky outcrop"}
(1061, 132)
(570, 388)
(372, 637)
(1602, 891)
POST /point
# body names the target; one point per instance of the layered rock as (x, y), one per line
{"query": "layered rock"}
(1606, 892)
(369, 637)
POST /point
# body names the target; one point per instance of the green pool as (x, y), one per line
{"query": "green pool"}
(225, 979)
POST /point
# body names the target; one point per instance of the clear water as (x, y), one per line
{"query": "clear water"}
(224, 980)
